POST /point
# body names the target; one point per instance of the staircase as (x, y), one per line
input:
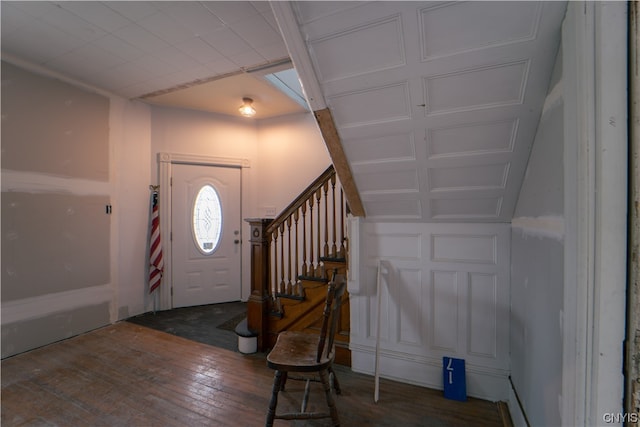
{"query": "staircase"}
(293, 258)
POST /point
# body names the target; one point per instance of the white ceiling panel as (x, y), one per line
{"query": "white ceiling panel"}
(146, 49)
(376, 105)
(481, 177)
(472, 139)
(451, 91)
(466, 26)
(381, 148)
(388, 52)
(502, 84)
(471, 209)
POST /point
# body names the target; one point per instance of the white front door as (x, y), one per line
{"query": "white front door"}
(205, 228)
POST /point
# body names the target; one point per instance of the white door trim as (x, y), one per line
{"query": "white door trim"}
(594, 79)
(165, 160)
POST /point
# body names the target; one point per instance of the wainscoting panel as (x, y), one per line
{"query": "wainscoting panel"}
(444, 291)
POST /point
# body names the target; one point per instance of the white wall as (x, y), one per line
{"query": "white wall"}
(292, 154)
(445, 292)
(537, 285)
(131, 141)
(280, 158)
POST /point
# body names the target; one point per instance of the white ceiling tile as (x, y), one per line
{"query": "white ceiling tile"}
(248, 59)
(388, 181)
(87, 59)
(366, 49)
(393, 209)
(262, 6)
(273, 51)
(166, 28)
(465, 26)
(481, 177)
(198, 19)
(381, 148)
(97, 14)
(221, 66)
(256, 31)
(41, 42)
(133, 10)
(155, 66)
(231, 12)
(200, 50)
(492, 137)
(226, 42)
(484, 87)
(480, 208)
(377, 105)
(35, 8)
(173, 55)
(69, 23)
(12, 18)
(142, 39)
(117, 46)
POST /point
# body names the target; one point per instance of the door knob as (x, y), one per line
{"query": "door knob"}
(236, 241)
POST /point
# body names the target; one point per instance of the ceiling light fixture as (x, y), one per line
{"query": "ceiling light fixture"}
(246, 109)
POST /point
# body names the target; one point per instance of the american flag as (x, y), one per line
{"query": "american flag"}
(156, 263)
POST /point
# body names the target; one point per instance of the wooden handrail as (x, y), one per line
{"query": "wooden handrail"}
(295, 247)
(303, 197)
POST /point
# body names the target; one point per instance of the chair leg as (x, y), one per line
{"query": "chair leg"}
(284, 380)
(336, 384)
(271, 413)
(324, 377)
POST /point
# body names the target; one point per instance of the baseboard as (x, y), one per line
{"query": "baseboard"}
(483, 383)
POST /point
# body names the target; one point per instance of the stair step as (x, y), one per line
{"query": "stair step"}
(289, 296)
(333, 259)
(313, 278)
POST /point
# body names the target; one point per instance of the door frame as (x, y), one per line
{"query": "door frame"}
(165, 162)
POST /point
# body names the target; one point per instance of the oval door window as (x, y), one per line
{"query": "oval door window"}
(207, 219)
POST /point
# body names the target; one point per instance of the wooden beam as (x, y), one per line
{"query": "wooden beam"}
(339, 160)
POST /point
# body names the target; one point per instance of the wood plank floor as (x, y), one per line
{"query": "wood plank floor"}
(130, 375)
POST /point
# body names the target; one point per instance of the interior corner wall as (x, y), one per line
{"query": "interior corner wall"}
(56, 235)
(537, 269)
(131, 136)
(292, 154)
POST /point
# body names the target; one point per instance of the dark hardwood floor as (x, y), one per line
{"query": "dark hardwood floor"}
(130, 375)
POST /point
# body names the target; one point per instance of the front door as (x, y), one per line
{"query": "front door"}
(205, 228)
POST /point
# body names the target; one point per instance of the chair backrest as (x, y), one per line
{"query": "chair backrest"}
(331, 314)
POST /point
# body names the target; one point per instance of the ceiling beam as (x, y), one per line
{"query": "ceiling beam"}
(339, 160)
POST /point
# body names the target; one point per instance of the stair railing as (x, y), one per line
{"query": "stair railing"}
(310, 230)
(294, 246)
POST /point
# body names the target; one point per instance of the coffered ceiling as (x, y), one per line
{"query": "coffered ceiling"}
(436, 103)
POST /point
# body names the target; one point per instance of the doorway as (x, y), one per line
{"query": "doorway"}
(205, 234)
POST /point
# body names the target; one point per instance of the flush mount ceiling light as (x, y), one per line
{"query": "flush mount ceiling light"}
(246, 109)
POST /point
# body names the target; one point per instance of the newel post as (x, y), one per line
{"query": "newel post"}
(258, 304)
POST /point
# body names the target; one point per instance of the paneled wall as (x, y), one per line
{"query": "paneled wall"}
(444, 292)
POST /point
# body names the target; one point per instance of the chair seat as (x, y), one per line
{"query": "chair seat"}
(297, 351)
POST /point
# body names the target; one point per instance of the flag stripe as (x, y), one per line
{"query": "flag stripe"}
(156, 262)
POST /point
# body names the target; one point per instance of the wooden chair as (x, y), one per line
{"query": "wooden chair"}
(303, 353)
